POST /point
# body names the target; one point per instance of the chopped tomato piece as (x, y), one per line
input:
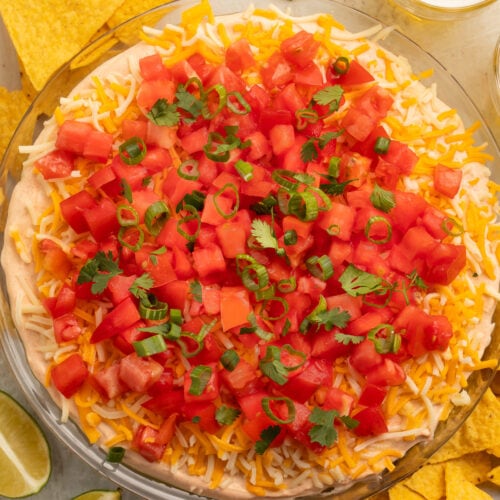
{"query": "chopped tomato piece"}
(56, 164)
(69, 375)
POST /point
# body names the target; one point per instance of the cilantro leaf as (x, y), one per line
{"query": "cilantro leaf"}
(329, 96)
(163, 113)
(323, 432)
(331, 318)
(346, 339)
(382, 199)
(264, 234)
(325, 138)
(264, 206)
(195, 289)
(272, 366)
(189, 103)
(334, 187)
(141, 285)
(349, 422)
(356, 282)
(416, 280)
(98, 271)
(226, 415)
(267, 436)
(308, 152)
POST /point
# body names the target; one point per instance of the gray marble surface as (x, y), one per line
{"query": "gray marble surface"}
(464, 47)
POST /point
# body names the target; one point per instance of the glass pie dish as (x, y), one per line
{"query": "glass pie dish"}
(443, 10)
(113, 43)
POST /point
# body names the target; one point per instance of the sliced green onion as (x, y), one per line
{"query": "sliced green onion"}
(196, 199)
(216, 149)
(389, 343)
(240, 107)
(186, 352)
(305, 117)
(287, 285)
(265, 293)
(240, 261)
(304, 206)
(320, 267)
(149, 346)
(115, 454)
(333, 230)
(341, 65)
(230, 359)
(452, 227)
(176, 316)
(156, 216)
(291, 180)
(227, 187)
(254, 277)
(132, 151)
(127, 190)
(188, 170)
(193, 215)
(221, 92)
(326, 202)
(153, 309)
(127, 215)
(266, 304)
(131, 237)
(255, 328)
(294, 352)
(290, 237)
(266, 406)
(374, 220)
(200, 376)
(382, 145)
(264, 206)
(245, 169)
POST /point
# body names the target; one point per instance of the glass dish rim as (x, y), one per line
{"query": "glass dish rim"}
(70, 434)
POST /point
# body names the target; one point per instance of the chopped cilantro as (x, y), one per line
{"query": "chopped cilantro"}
(272, 366)
(98, 271)
(308, 151)
(334, 187)
(264, 234)
(264, 206)
(141, 284)
(163, 113)
(416, 280)
(226, 415)
(323, 432)
(356, 282)
(267, 436)
(329, 96)
(346, 339)
(195, 289)
(331, 318)
(189, 103)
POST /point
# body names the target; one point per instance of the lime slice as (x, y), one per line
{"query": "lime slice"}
(99, 495)
(24, 452)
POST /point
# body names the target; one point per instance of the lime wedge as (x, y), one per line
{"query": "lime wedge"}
(99, 495)
(24, 451)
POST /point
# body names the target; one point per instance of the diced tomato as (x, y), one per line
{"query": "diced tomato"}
(372, 395)
(98, 146)
(232, 239)
(447, 180)
(134, 128)
(73, 210)
(388, 373)
(174, 293)
(69, 375)
(316, 373)
(167, 430)
(125, 338)
(72, 136)
(338, 221)
(355, 75)
(310, 75)
(66, 327)
(165, 403)
(109, 381)
(64, 302)
(125, 314)
(235, 306)
(56, 164)
(101, 219)
(282, 138)
(156, 160)
(150, 91)
(371, 422)
(158, 265)
(209, 261)
(276, 71)
(444, 263)
(300, 49)
(239, 56)
(204, 414)
(337, 399)
(145, 442)
(364, 358)
(239, 378)
(152, 68)
(227, 78)
(402, 156)
(139, 373)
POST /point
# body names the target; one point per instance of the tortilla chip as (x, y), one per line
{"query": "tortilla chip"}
(13, 105)
(131, 8)
(401, 492)
(46, 34)
(494, 476)
(459, 488)
(428, 482)
(495, 451)
(480, 431)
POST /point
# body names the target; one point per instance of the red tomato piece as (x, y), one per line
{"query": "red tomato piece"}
(63, 303)
(209, 261)
(54, 260)
(364, 358)
(235, 306)
(72, 136)
(300, 49)
(134, 128)
(372, 395)
(337, 399)
(151, 91)
(152, 68)
(145, 442)
(447, 180)
(125, 314)
(66, 328)
(139, 373)
(203, 414)
(388, 373)
(101, 219)
(109, 382)
(165, 403)
(209, 392)
(98, 146)
(355, 75)
(239, 56)
(371, 422)
(276, 71)
(444, 263)
(69, 375)
(73, 210)
(56, 164)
